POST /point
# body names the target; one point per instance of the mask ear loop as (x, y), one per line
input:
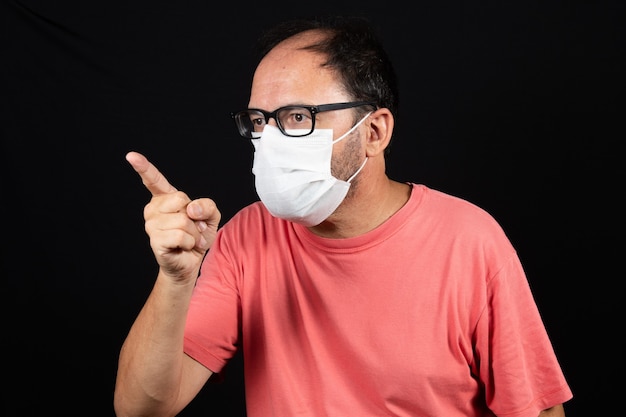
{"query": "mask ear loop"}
(346, 134)
(352, 129)
(357, 171)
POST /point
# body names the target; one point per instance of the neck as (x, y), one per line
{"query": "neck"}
(369, 203)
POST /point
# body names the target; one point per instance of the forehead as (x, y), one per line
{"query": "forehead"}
(289, 74)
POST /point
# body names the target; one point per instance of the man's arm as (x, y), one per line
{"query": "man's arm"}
(556, 411)
(154, 376)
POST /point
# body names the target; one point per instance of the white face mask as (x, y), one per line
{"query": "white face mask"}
(292, 174)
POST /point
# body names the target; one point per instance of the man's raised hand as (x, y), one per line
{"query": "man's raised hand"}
(181, 230)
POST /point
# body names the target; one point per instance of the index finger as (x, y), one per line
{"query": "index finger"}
(152, 178)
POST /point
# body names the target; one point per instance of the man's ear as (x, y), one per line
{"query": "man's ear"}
(381, 129)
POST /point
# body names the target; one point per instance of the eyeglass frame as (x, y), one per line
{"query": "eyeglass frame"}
(312, 109)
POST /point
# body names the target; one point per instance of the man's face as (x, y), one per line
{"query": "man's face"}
(292, 76)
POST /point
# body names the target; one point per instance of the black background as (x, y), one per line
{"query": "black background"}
(516, 107)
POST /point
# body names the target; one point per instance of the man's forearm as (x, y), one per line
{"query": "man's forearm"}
(150, 362)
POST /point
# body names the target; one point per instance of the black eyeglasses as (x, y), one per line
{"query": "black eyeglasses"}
(295, 121)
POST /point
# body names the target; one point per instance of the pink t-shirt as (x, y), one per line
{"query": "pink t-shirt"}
(430, 314)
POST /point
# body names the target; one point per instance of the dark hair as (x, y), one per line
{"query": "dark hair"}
(353, 49)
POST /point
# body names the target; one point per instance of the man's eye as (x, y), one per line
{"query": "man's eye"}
(295, 117)
(258, 122)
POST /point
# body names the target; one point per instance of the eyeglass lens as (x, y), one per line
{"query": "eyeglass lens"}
(291, 120)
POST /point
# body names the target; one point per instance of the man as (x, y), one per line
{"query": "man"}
(350, 294)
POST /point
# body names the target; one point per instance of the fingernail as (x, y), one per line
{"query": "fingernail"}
(195, 210)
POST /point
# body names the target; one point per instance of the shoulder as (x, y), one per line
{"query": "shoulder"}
(451, 208)
(252, 220)
(451, 217)
(250, 216)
